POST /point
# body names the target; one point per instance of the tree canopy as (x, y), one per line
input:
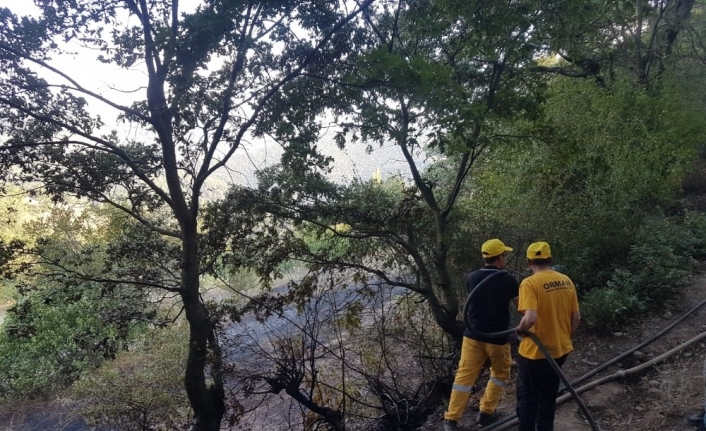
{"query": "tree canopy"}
(502, 112)
(212, 79)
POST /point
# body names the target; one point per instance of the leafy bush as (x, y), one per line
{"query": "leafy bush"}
(64, 324)
(42, 348)
(696, 225)
(142, 389)
(8, 293)
(653, 274)
(608, 308)
(657, 265)
(50, 338)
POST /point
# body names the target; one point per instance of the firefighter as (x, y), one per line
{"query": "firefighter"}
(488, 312)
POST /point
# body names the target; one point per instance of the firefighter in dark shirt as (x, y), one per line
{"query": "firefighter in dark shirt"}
(488, 313)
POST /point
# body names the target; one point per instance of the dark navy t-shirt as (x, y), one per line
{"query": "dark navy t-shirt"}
(489, 311)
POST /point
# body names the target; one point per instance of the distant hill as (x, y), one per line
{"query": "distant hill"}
(350, 163)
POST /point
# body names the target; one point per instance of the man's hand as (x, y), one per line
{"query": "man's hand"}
(528, 320)
(575, 320)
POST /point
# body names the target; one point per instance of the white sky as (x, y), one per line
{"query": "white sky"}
(126, 86)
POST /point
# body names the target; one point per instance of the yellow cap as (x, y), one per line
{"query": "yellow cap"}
(539, 250)
(493, 247)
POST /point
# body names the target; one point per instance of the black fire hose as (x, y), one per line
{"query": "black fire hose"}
(542, 348)
(630, 351)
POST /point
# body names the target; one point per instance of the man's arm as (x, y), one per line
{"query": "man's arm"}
(469, 284)
(514, 290)
(575, 320)
(527, 321)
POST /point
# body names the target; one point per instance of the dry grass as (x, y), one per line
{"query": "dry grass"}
(681, 386)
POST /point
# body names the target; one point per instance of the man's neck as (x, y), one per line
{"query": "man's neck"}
(536, 269)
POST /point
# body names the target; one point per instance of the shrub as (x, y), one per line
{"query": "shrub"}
(142, 389)
(45, 346)
(658, 264)
(695, 223)
(608, 308)
(653, 275)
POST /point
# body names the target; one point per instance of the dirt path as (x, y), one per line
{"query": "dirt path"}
(659, 399)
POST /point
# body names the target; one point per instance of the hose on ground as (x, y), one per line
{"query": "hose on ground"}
(632, 350)
(511, 421)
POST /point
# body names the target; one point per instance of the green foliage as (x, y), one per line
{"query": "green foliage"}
(18, 210)
(141, 389)
(657, 265)
(66, 320)
(609, 308)
(696, 236)
(327, 224)
(8, 291)
(587, 174)
(325, 240)
(49, 340)
(8, 294)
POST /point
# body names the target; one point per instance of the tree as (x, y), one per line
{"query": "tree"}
(640, 37)
(455, 83)
(213, 79)
(64, 325)
(437, 80)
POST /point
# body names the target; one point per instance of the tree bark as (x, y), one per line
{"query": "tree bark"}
(205, 394)
(446, 316)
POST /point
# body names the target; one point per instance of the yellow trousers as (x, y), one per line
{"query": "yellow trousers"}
(473, 356)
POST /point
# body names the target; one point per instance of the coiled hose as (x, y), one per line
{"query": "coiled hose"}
(533, 337)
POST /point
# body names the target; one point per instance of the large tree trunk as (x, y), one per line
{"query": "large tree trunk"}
(205, 394)
(445, 313)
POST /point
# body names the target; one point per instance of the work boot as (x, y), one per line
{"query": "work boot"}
(450, 425)
(485, 419)
(696, 420)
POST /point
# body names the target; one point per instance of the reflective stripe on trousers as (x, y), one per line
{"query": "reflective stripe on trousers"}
(473, 355)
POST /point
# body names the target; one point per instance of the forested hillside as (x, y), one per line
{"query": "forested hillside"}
(259, 214)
